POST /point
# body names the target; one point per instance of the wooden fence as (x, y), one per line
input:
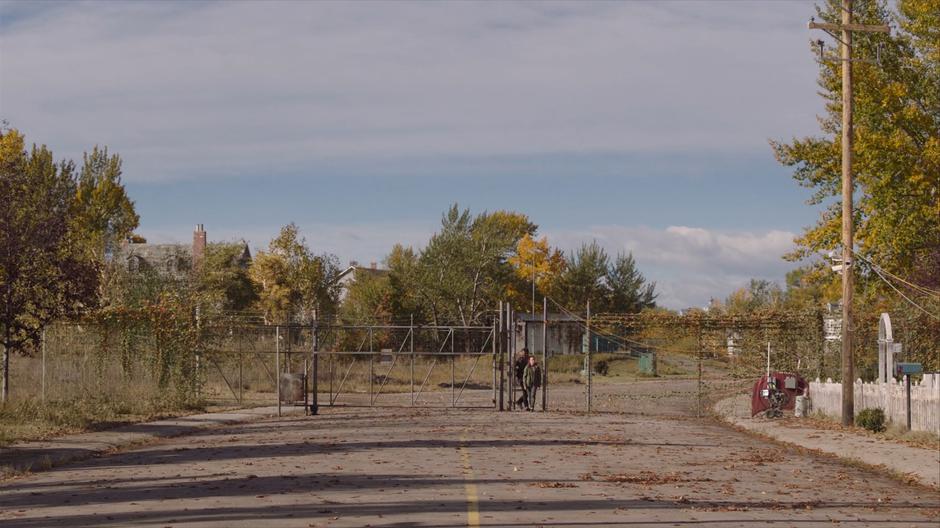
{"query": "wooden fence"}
(891, 397)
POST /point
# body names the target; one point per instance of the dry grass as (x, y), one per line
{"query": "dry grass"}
(82, 393)
(26, 420)
(80, 397)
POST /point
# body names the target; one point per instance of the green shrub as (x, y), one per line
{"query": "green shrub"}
(601, 367)
(871, 419)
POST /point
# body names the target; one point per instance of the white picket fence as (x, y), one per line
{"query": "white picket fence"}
(891, 397)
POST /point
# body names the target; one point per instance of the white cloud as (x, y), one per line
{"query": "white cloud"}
(185, 90)
(691, 264)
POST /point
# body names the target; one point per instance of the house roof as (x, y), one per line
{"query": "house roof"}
(351, 272)
(153, 252)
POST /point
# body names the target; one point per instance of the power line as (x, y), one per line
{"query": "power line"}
(916, 287)
(906, 298)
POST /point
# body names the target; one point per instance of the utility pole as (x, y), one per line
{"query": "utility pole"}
(846, 28)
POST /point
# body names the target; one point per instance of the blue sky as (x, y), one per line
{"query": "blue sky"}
(643, 125)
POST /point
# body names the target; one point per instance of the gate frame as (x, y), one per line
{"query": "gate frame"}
(491, 340)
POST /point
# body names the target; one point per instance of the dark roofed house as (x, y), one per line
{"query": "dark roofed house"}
(171, 260)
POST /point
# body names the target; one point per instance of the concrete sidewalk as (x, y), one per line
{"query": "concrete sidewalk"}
(37, 456)
(921, 465)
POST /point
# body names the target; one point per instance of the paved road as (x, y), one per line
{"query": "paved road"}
(402, 467)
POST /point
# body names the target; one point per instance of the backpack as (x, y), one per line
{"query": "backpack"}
(521, 364)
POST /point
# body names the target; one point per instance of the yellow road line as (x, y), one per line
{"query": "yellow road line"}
(473, 502)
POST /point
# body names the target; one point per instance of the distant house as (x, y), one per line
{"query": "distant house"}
(565, 335)
(171, 260)
(353, 272)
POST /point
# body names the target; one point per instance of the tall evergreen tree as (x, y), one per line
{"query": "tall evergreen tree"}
(629, 290)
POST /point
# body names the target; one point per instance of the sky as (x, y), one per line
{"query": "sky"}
(642, 125)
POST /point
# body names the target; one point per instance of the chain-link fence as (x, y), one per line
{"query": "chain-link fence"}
(665, 363)
(245, 364)
(674, 364)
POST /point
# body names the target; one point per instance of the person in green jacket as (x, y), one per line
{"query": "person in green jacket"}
(531, 381)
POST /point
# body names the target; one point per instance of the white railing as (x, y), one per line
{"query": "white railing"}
(891, 397)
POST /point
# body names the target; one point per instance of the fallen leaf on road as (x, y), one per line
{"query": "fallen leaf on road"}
(553, 485)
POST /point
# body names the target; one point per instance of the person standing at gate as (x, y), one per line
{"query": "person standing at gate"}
(531, 381)
(521, 363)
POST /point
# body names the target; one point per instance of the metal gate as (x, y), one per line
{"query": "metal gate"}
(404, 366)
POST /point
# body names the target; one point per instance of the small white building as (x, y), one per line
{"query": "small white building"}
(355, 271)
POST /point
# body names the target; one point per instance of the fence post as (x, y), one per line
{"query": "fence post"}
(544, 354)
(241, 381)
(907, 383)
(590, 360)
(698, 344)
(511, 355)
(5, 390)
(411, 333)
(43, 338)
(502, 355)
(453, 370)
(277, 366)
(315, 368)
(494, 335)
(198, 380)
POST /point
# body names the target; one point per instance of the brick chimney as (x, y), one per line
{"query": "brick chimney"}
(199, 246)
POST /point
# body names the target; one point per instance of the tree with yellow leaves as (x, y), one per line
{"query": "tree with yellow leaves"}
(897, 147)
(535, 263)
(293, 283)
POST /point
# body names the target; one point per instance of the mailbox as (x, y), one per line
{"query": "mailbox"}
(906, 369)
